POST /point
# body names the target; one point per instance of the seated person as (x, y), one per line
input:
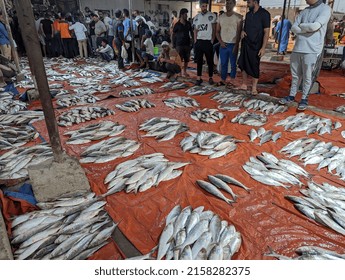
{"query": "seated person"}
(146, 52)
(170, 61)
(105, 50)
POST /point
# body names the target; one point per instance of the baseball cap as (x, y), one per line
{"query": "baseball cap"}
(165, 43)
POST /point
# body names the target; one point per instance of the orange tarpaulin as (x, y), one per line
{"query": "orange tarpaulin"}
(264, 217)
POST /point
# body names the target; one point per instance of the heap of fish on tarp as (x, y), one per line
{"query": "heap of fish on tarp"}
(163, 128)
(136, 92)
(22, 117)
(14, 163)
(181, 102)
(340, 109)
(269, 170)
(125, 81)
(309, 123)
(323, 203)
(135, 105)
(94, 132)
(109, 149)
(229, 101)
(269, 108)
(220, 182)
(12, 137)
(174, 85)
(309, 253)
(76, 100)
(142, 173)
(10, 106)
(263, 135)
(251, 119)
(83, 114)
(195, 234)
(69, 228)
(209, 144)
(199, 90)
(207, 115)
(313, 151)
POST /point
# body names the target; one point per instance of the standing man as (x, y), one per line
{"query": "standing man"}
(254, 40)
(100, 29)
(47, 27)
(109, 25)
(310, 29)
(5, 45)
(229, 29)
(80, 33)
(128, 23)
(284, 38)
(119, 37)
(182, 34)
(204, 35)
(174, 20)
(67, 41)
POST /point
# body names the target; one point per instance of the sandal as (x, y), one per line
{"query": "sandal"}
(230, 86)
(220, 84)
(254, 93)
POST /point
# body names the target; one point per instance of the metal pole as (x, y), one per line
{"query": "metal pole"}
(191, 9)
(210, 5)
(33, 49)
(132, 33)
(281, 27)
(288, 11)
(13, 49)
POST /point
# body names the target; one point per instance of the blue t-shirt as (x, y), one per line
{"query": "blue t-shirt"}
(127, 24)
(3, 35)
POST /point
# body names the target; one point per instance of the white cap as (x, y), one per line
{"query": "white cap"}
(165, 43)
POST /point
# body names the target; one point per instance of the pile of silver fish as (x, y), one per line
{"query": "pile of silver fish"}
(271, 171)
(108, 150)
(309, 253)
(77, 100)
(20, 118)
(12, 137)
(10, 106)
(263, 135)
(251, 119)
(14, 163)
(174, 85)
(226, 98)
(211, 144)
(313, 151)
(163, 129)
(181, 102)
(136, 92)
(207, 115)
(142, 173)
(197, 235)
(269, 108)
(142, 74)
(94, 132)
(323, 204)
(309, 123)
(83, 114)
(340, 109)
(135, 105)
(151, 80)
(199, 90)
(220, 182)
(70, 228)
(125, 81)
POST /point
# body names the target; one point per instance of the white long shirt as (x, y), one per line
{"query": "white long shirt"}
(79, 30)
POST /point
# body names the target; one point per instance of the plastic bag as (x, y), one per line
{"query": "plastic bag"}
(124, 53)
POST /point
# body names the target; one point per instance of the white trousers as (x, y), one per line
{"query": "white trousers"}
(304, 67)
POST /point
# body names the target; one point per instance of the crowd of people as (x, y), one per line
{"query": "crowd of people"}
(128, 38)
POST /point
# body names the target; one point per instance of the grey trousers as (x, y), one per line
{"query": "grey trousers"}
(303, 66)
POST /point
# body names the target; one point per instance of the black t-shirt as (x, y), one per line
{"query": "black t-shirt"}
(92, 27)
(47, 26)
(182, 33)
(254, 26)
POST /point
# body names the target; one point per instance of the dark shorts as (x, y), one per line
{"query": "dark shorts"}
(144, 54)
(184, 52)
